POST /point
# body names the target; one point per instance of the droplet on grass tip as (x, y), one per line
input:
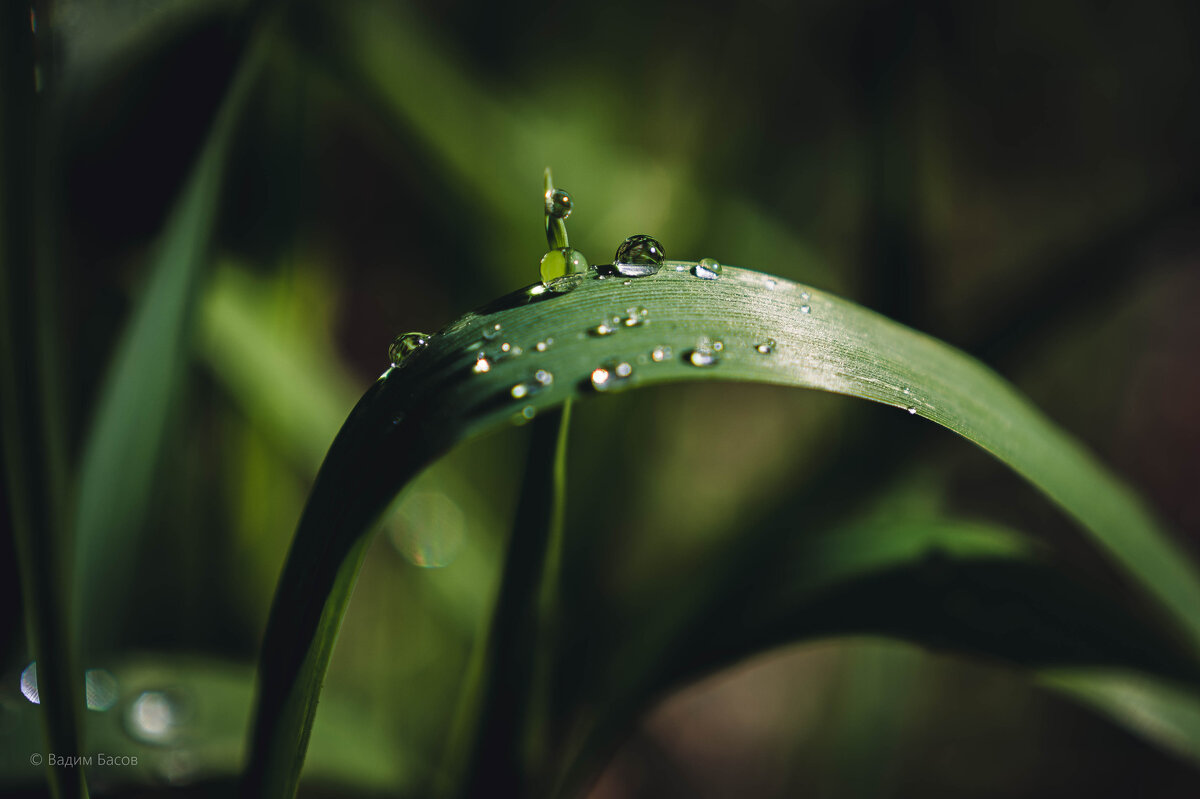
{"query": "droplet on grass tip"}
(404, 345)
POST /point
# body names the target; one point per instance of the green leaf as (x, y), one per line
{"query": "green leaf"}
(770, 330)
(142, 386)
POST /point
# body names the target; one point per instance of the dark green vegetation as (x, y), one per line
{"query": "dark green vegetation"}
(215, 220)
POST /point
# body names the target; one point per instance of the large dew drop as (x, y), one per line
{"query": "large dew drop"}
(561, 263)
(404, 345)
(707, 269)
(559, 204)
(639, 256)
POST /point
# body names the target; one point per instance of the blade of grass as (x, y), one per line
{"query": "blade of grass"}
(29, 412)
(143, 383)
(817, 340)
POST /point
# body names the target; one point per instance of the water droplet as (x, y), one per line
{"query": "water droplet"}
(626, 282)
(542, 346)
(766, 347)
(601, 378)
(660, 354)
(560, 263)
(482, 364)
(528, 412)
(906, 391)
(491, 332)
(404, 345)
(772, 283)
(604, 329)
(912, 410)
(611, 378)
(559, 204)
(154, 717)
(804, 295)
(681, 268)
(805, 309)
(100, 689)
(29, 686)
(639, 256)
(623, 369)
(635, 317)
(543, 377)
(705, 353)
(708, 269)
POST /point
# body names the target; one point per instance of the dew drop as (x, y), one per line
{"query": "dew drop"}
(611, 377)
(708, 269)
(528, 412)
(705, 353)
(805, 309)
(491, 331)
(559, 204)
(543, 377)
(804, 295)
(604, 328)
(542, 346)
(772, 283)
(635, 317)
(601, 378)
(154, 717)
(912, 410)
(766, 347)
(482, 364)
(561, 263)
(623, 369)
(404, 345)
(626, 282)
(660, 354)
(639, 256)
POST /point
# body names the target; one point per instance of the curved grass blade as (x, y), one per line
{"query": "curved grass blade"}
(143, 383)
(671, 326)
(31, 426)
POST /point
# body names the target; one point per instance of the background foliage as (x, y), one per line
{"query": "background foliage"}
(1020, 181)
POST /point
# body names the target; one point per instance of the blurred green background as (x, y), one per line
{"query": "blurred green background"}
(1019, 179)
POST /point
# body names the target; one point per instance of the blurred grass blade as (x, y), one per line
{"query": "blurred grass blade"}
(745, 326)
(125, 442)
(1164, 713)
(30, 425)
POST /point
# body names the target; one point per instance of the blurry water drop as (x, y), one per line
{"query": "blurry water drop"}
(603, 329)
(611, 377)
(543, 377)
(906, 391)
(626, 282)
(428, 528)
(482, 364)
(635, 317)
(542, 346)
(528, 412)
(559, 204)
(100, 687)
(601, 378)
(491, 331)
(705, 353)
(639, 256)
(29, 685)
(805, 309)
(406, 344)
(766, 347)
(154, 717)
(660, 354)
(521, 390)
(708, 269)
(623, 369)
(560, 263)
(804, 295)
(772, 283)
(912, 410)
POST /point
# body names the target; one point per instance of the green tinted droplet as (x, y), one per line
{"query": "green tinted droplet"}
(560, 263)
(639, 256)
(404, 345)
(708, 269)
(559, 204)
(766, 347)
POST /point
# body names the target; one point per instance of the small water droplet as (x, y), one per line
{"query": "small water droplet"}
(635, 317)
(542, 346)
(707, 269)
(543, 377)
(766, 347)
(601, 378)
(29, 685)
(528, 412)
(906, 391)
(491, 331)
(681, 268)
(804, 295)
(660, 354)
(626, 282)
(482, 364)
(604, 329)
(912, 410)
(623, 369)
(559, 204)
(154, 717)
(805, 309)
(611, 377)
(639, 256)
(404, 345)
(772, 283)
(562, 263)
(705, 353)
